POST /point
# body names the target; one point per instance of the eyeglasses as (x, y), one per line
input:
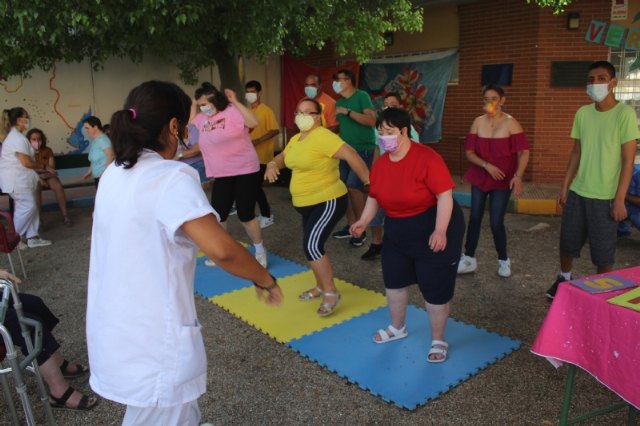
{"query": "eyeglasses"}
(342, 78)
(306, 113)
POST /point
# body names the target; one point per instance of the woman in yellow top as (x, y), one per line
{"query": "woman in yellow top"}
(318, 193)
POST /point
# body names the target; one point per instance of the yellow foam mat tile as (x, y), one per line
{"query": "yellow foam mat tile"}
(293, 318)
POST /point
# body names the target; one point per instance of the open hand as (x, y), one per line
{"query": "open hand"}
(438, 241)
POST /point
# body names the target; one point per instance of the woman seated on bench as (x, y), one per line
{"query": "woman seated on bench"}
(47, 175)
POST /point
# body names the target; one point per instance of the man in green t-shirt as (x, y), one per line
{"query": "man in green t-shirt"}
(357, 118)
(598, 175)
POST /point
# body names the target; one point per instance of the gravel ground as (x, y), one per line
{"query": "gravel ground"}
(255, 380)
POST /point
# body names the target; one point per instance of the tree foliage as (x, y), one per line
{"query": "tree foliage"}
(556, 5)
(193, 34)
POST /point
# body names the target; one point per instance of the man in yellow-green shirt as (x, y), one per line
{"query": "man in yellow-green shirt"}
(598, 175)
(263, 137)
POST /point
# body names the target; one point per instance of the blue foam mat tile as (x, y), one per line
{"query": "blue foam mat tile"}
(398, 371)
(214, 281)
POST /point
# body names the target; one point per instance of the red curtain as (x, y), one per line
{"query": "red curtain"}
(293, 74)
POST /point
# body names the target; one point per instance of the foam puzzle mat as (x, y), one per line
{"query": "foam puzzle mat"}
(397, 372)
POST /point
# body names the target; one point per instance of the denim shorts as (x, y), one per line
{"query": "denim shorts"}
(378, 219)
(348, 176)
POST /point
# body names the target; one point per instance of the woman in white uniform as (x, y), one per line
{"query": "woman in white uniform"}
(151, 215)
(18, 176)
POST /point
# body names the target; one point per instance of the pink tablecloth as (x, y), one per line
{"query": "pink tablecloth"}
(601, 338)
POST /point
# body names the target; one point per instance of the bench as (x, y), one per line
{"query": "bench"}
(70, 168)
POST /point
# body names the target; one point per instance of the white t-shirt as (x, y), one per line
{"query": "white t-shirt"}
(143, 335)
(14, 177)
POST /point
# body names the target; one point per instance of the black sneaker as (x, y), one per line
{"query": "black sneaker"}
(373, 252)
(358, 241)
(551, 293)
(343, 233)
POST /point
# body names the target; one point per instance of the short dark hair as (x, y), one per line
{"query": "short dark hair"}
(143, 121)
(213, 95)
(42, 136)
(495, 87)
(393, 95)
(347, 73)
(611, 70)
(93, 121)
(253, 84)
(395, 117)
(313, 101)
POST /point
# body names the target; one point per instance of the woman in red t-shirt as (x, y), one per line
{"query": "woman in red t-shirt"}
(423, 228)
(498, 152)
(47, 175)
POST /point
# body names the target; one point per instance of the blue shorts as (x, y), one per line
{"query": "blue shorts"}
(349, 177)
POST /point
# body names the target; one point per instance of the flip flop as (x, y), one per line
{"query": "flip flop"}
(396, 334)
(435, 350)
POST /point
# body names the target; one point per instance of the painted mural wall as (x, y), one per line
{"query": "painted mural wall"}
(58, 100)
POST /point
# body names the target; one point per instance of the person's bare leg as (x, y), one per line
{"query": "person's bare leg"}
(566, 263)
(604, 269)
(438, 315)
(323, 272)
(358, 199)
(51, 374)
(252, 228)
(376, 234)
(56, 186)
(397, 300)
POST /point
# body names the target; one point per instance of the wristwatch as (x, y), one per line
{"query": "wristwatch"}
(180, 156)
(348, 113)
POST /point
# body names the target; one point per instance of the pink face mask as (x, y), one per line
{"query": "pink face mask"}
(389, 143)
(36, 145)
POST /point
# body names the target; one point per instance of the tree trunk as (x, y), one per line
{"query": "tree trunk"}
(228, 68)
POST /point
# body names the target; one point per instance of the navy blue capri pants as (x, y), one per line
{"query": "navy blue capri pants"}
(318, 220)
(407, 258)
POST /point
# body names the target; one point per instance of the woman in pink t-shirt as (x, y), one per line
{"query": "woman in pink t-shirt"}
(223, 124)
(498, 152)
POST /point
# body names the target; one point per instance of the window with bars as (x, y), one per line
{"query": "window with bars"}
(628, 88)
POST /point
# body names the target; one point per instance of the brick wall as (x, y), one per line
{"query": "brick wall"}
(530, 38)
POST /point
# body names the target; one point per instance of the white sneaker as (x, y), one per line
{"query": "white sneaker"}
(504, 270)
(37, 242)
(210, 263)
(467, 264)
(262, 258)
(22, 246)
(265, 222)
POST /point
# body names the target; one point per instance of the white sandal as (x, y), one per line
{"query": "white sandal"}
(442, 350)
(396, 334)
(308, 294)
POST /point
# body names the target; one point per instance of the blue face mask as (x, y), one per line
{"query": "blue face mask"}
(85, 134)
(310, 92)
(337, 86)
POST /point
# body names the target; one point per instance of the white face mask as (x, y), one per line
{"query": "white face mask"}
(597, 92)
(250, 97)
(304, 122)
(207, 109)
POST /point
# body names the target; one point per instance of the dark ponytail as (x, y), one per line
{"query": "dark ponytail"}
(143, 123)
